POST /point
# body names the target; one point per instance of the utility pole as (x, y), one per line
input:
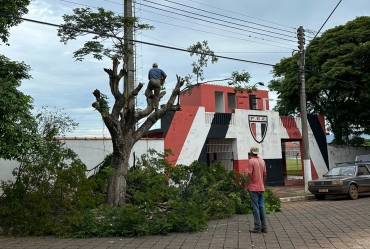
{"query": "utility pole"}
(129, 78)
(306, 147)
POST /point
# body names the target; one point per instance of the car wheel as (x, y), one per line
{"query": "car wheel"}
(320, 197)
(353, 192)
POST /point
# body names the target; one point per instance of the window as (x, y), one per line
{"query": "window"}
(363, 170)
(253, 102)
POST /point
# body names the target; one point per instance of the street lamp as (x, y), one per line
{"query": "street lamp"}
(259, 83)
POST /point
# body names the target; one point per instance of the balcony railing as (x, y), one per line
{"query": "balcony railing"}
(219, 118)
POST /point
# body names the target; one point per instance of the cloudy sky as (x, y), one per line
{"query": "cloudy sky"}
(253, 30)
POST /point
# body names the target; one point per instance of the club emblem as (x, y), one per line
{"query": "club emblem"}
(258, 127)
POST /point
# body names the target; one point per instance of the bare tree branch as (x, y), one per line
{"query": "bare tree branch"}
(149, 122)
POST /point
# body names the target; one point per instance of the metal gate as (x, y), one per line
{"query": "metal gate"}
(221, 150)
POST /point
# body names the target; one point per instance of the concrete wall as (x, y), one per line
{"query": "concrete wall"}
(339, 154)
(91, 152)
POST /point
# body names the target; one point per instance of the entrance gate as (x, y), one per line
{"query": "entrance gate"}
(220, 150)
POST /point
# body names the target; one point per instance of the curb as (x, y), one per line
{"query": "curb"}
(297, 198)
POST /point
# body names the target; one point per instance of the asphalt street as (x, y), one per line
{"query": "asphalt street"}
(332, 223)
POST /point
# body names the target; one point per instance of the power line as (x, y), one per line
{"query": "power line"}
(259, 38)
(228, 26)
(228, 52)
(222, 35)
(191, 28)
(327, 19)
(146, 43)
(229, 17)
(245, 52)
(221, 20)
(293, 29)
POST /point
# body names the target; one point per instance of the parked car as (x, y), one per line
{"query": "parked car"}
(349, 178)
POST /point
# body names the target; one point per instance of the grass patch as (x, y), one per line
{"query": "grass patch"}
(294, 167)
(294, 172)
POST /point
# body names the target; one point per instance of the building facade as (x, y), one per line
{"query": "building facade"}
(217, 124)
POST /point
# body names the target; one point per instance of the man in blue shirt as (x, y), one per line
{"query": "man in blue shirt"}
(156, 78)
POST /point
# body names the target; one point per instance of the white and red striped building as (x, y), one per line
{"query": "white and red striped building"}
(216, 123)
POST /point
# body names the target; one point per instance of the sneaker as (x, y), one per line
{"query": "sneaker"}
(254, 230)
(264, 230)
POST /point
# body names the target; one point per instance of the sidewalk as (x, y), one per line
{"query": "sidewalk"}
(291, 193)
(333, 223)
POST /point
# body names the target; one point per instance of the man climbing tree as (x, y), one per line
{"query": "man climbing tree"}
(121, 118)
(156, 78)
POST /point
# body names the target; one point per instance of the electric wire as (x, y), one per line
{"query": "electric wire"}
(259, 38)
(192, 17)
(237, 38)
(195, 29)
(227, 52)
(146, 43)
(327, 19)
(219, 20)
(266, 26)
(293, 29)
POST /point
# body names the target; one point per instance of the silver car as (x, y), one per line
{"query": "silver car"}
(350, 178)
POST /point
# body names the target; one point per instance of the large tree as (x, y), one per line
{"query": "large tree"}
(122, 117)
(337, 79)
(17, 125)
(10, 13)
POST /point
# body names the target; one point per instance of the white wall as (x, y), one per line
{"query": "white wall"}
(339, 154)
(90, 151)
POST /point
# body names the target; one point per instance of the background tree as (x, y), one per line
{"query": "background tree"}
(10, 12)
(51, 190)
(240, 82)
(122, 119)
(17, 125)
(337, 79)
(204, 53)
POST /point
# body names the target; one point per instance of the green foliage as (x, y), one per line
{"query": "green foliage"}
(163, 199)
(10, 13)
(18, 127)
(102, 25)
(337, 79)
(272, 202)
(54, 123)
(356, 141)
(240, 82)
(103, 103)
(51, 188)
(366, 142)
(204, 53)
(160, 199)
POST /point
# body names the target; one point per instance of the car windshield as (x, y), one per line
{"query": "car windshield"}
(341, 171)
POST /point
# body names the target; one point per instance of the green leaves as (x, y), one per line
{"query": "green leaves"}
(10, 12)
(18, 128)
(240, 82)
(51, 189)
(337, 79)
(53, 196)
(101, 26)
(204, 53)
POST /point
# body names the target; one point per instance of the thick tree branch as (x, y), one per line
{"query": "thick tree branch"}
(149, 122)
(149, 108)
(114, 78)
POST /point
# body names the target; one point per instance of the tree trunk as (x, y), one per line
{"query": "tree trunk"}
(120, 165)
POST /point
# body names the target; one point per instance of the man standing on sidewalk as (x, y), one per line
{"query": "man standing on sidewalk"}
(255, 185)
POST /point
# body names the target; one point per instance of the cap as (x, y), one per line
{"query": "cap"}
(255, 150)
(155, 64)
